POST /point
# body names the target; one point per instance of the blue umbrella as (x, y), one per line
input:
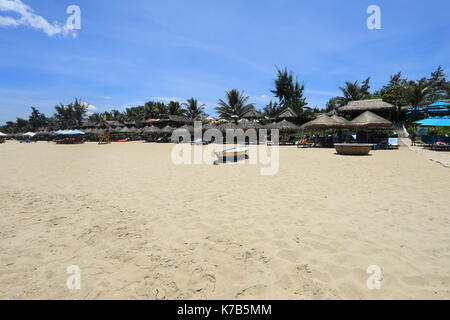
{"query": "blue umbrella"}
(60, 132)
(439, 104)
(435, 122)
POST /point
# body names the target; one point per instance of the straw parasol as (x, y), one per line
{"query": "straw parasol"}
(227, 126)
(369, 120)
(209, 126)
(167, 129)
(151, 129)
(250, 125)
(188, 128)
(340, 119)
(322, 123)
(284, 126)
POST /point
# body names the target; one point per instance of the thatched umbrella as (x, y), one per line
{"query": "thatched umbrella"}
(135, 130)
(151, 129)
(209, 126)
(227, 126)
(188, 128)
(284, 126)
(369, 120)
(167, 129)
(340, 119)
(322, 123)
(250, 125)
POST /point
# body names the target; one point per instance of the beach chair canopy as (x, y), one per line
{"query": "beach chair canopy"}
(3, 134)
(29, 134)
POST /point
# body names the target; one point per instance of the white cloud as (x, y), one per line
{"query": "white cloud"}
(166, 99)
(27, 17)
(90, 108)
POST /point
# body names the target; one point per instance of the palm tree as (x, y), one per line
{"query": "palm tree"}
(193, 110)
(353, 91)
(235, 105)
(416, 92)
(174, 108)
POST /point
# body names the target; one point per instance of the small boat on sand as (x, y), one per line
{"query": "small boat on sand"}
(231, 155)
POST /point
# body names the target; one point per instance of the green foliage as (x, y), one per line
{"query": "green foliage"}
(193, 110)
(353, 91)
(235, 104)
(272, 109)
(290, 92)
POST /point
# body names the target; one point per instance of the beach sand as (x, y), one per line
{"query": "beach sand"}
(140, 227)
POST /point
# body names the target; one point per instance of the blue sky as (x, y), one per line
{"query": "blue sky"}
(128, 52)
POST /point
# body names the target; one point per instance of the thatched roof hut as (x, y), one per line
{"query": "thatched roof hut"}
(288, 113)
(252, 114)
(322, 123)
(369, 120)
(284, 126)
(367, 105)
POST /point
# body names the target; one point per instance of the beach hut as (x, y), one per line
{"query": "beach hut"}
(287, 113)
(340, 120)
(323, 122)
(373, 105)
(252, 114)
(369, 120)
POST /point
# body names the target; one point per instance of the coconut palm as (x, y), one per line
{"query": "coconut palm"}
(416, 92)
(235, 105)
(194, 110)
(175, 108)
(353, 91)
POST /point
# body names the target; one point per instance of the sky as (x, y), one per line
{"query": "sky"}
(129, 52)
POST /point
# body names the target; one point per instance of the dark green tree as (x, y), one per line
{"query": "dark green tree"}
(194, 110)
(290, 92)
(37, 119)
(236, 104)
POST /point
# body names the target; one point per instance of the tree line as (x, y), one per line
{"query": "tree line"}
(288, 92)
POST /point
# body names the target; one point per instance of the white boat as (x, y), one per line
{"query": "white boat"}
(234, 154)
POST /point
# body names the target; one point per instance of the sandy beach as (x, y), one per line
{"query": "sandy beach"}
(140, 227)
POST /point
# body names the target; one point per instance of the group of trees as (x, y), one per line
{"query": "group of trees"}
(398, 91)
(288, 92)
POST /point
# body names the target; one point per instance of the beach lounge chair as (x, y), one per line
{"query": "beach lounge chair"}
(393, 143)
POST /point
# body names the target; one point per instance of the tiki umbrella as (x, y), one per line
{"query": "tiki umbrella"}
(369, 120)
(249, 125)
(188, 128)
(209, 126)
(167, 129)
(340, 119)
(135, 130)
(284, 126)
(322, 123)
(227, 126)
(151, 129)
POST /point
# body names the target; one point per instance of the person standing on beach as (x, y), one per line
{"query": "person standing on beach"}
(413, 139)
